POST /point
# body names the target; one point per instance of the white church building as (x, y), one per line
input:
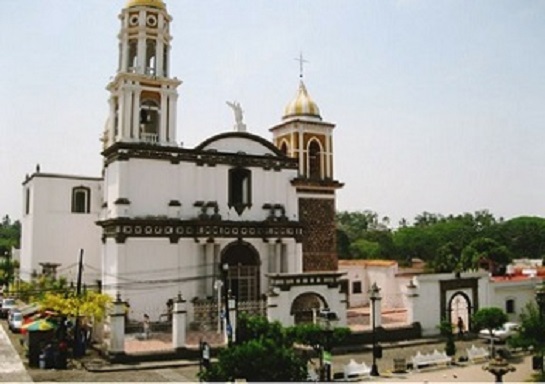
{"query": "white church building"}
(164, 219)
(238, 211)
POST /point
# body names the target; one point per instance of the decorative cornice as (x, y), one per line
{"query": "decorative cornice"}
(124, 151)
(60, 176)
(123, 228)
(302, 183)
(122, 201)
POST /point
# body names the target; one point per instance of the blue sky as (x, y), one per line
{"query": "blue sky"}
(439, 104)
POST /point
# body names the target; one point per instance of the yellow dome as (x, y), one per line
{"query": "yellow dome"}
(302, 105)
(147, 3)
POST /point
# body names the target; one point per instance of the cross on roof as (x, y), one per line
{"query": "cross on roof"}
(301, 62)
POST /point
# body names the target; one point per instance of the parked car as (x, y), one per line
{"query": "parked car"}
(501, 334)
(15, 321)
(7, 305)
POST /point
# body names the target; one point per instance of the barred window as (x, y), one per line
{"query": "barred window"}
(81, 200)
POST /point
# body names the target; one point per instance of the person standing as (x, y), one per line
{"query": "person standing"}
(146, 326)
(461, 327)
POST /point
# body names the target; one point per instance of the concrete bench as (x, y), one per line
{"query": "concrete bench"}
(354, 371)
(430, 359)
(475, 354)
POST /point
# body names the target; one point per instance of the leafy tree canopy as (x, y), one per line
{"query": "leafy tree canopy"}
(532, 329)
(489, 318)
(264, 351)
(447, 243)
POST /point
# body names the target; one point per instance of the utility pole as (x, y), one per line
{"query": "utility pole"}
(77, 350)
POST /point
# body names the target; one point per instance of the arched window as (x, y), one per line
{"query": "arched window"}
(165, 60)
(149, 121)
(240, 189)
(284, 148)
(81, 200)
(314, 160)
(151, 57)
(133, 55)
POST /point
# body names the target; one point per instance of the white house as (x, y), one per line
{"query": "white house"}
(59, 215)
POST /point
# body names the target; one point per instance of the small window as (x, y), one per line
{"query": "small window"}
(81, 200)
(27, 201)
(356, 287)
(240, 190)
(510, 306)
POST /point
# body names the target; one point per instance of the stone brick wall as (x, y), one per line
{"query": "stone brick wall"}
(319, 237)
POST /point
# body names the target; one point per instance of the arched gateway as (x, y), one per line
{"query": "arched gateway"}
(244, 270)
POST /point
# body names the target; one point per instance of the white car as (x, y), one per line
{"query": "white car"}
(500, 334)
(15, 321)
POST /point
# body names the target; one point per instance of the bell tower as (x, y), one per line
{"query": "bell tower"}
(143, 97)
(303, 135)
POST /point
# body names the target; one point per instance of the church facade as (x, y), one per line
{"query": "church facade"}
(237, 210)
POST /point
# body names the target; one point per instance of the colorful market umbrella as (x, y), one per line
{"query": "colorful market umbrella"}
(39, 325)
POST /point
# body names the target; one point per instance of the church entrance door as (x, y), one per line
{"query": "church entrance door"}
(244, 272)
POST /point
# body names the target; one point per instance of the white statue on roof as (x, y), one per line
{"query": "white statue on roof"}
(239, 125)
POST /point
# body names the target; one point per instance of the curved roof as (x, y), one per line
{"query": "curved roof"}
(208, 143)
(302, 105)
(147, 3)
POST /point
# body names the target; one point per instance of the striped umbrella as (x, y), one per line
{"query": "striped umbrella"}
(39, 325)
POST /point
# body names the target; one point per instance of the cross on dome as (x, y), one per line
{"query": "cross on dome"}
(301, 62)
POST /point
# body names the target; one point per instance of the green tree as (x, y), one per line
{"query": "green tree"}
(365, 249)
(445, 328)
(264, 351)
(91, 304)
(446, 259)
(489, 318)
(523, 236)
(531, 331)
(486, 252)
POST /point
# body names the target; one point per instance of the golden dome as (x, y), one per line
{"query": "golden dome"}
(146, 3)
(302, 105)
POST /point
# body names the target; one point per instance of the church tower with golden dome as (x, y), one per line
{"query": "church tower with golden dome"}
(303, 135)
(143, 96)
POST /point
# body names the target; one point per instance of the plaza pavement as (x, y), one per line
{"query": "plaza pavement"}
(11, 366)
(462, 374)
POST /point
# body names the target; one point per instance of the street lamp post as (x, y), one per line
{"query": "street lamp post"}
(225, 270)
(218, 284)
(328, 320)
(374, 295)
(540, 300)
